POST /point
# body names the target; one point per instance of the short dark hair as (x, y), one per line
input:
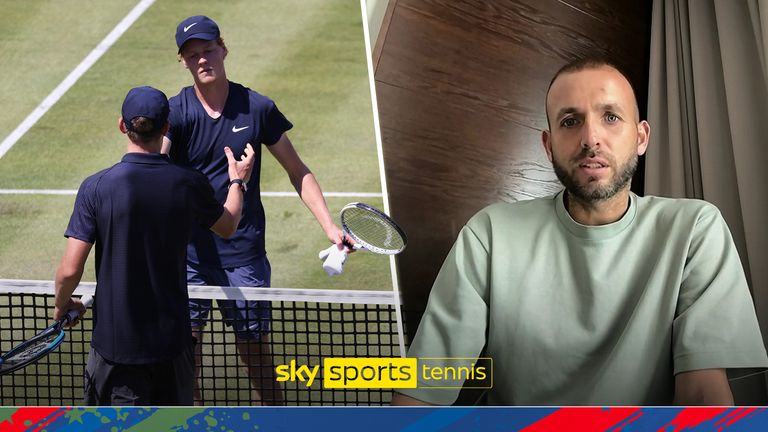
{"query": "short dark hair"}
(586, 63)
(144, 130)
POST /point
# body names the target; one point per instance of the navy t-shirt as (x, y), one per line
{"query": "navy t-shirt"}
(198, 141)
(140, 213)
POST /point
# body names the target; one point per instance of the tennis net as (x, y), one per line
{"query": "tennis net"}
(307, 325)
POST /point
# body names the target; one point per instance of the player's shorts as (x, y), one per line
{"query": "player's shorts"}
(250, 319)
(164, 383)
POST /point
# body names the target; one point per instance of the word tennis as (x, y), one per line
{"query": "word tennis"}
(381, 373)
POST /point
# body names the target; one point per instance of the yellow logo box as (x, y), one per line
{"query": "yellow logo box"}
(407, 372)
(369, 373)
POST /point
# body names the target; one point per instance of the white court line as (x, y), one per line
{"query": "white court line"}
(38, 191)
(264, 194)
(73, 76)
(330, 194)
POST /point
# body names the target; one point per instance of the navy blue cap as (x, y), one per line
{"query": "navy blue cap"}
(196, 27)
(145, 102)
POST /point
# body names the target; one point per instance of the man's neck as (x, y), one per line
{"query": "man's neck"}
(146, 148)
(598, 212)
(213, 96)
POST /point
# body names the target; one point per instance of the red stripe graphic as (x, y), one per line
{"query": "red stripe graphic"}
(737, 415)
(629, 420)
(692, 417)
(593, 419)
(50, 419)
(26, 417)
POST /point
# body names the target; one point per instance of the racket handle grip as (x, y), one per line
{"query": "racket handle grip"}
(334, 262)
(346, 242)
(86, 300)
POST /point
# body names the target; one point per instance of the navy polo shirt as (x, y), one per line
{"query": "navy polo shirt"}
(198, 141)
(140, 213)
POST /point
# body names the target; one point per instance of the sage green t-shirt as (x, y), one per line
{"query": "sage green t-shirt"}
(590, 315)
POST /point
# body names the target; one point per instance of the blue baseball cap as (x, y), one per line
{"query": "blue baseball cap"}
(196, 27)
(145, 102)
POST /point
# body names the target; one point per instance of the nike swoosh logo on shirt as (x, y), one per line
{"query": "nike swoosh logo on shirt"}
(236, 129)
(189, 27)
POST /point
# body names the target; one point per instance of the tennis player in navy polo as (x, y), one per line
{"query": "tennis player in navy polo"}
(140, 213)
(205, 117)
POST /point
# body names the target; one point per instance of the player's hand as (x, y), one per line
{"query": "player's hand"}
(349, 242)
(243, 167)
(337, 237)
(73, 304)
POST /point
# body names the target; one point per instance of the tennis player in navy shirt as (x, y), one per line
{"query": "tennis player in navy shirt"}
(205, 117)
(140, 214)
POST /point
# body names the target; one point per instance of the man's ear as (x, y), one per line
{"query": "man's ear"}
(546, 141)
(121, 125)
(643, 136)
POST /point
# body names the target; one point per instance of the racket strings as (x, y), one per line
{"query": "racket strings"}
(373, 229)
(31, 349)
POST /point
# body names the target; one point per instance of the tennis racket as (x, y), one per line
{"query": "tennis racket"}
(41, 345)
(371, 229)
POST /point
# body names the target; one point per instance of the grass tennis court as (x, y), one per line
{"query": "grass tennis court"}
(309, 56)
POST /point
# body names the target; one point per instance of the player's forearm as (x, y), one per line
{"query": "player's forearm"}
(233, 211)
(67, 279)
(239, 172)
(70, 271)
(312, 196)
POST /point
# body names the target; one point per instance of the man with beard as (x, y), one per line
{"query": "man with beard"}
(593, 296)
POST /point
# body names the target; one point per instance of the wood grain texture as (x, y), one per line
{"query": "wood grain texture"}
(382, 36)
(461, 87)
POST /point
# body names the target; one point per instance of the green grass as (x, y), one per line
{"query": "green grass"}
(32, 241)
(307, 55)
(31, 237)
(316, 73)
(41, 42)
(293, 240)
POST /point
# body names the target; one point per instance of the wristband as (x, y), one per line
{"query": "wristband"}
(240, 183)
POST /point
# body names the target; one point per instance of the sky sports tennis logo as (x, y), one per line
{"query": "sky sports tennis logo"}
(361, 373)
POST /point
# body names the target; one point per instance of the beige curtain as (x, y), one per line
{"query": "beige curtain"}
(708, 110)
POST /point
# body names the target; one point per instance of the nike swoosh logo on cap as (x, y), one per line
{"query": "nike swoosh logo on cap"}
(236, 129)
(189, 27)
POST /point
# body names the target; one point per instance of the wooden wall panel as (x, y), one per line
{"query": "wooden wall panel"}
(460, 87)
